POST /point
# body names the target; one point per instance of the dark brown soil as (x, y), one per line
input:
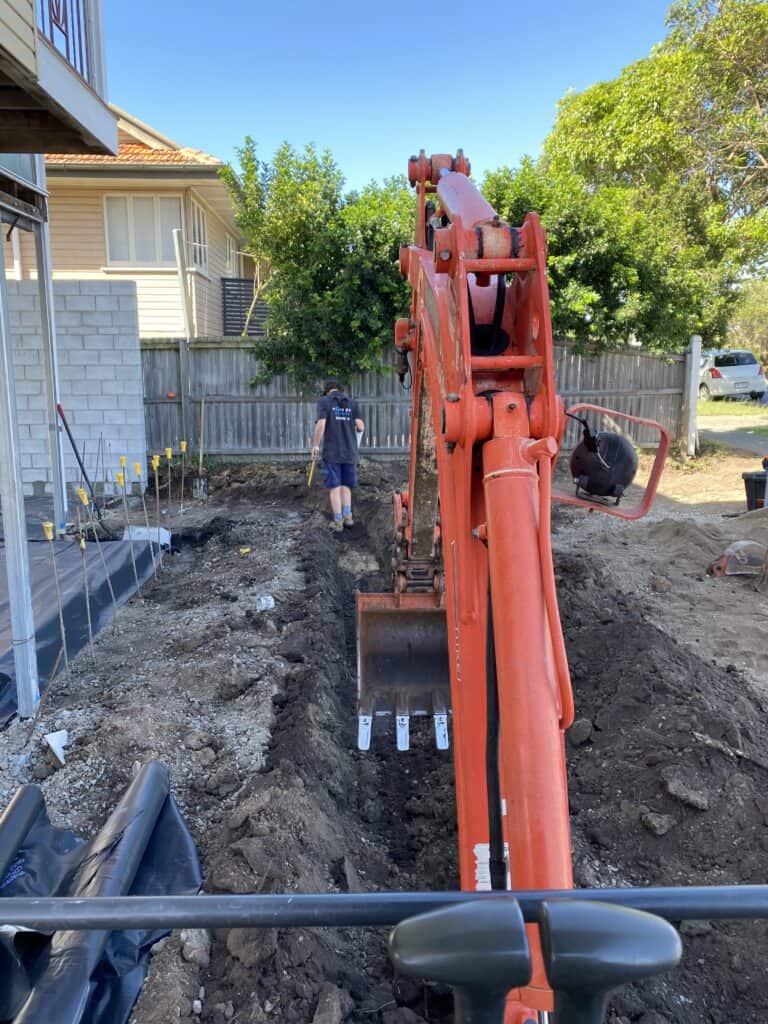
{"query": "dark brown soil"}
(197, 677)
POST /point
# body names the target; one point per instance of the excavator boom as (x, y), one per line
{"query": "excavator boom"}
(472, 623)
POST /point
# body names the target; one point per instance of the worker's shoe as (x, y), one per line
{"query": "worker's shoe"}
(348, 520)
(337, 525)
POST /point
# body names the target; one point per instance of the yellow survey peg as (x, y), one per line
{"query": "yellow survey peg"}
(155, 462)
(123, 461)
(137, 469)
(169, 453)
(121, 479)
(183, 446)
(83, 496)
(48, 530)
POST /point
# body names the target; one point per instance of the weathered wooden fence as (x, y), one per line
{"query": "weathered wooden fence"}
(272, 420)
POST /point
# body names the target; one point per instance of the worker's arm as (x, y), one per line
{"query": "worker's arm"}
(359, 425)
(316, 440)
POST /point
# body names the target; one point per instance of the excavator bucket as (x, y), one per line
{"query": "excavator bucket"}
(402, 664)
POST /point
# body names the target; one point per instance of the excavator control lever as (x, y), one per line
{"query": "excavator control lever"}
(479, 949)
(591, 948)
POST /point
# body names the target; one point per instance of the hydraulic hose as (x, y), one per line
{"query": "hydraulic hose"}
(550, 593)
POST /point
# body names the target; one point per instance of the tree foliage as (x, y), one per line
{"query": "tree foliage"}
(750, 318)
(672, 157)
(334, 286)
(615, 272)
(249, 189)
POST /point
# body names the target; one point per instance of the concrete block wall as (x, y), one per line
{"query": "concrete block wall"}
(100, 380)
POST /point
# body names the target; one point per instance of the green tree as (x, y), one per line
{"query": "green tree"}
(616, 272)
(249, 188)
(749, 328)
(334, 286)
(672, 154)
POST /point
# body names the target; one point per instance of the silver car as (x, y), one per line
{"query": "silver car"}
(731, 373)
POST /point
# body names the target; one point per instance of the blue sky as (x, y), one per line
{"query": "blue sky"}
(373, 82)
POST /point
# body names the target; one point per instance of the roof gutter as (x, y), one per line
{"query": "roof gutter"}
(120, 170)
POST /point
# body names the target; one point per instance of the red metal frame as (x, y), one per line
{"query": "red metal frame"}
(497, 424)
(643, 506)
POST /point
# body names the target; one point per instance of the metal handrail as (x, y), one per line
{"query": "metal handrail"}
(355, 910)
(66, 25)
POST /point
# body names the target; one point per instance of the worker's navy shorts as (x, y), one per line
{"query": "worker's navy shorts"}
(339, 474)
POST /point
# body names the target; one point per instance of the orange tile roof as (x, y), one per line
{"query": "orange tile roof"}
(137, 154)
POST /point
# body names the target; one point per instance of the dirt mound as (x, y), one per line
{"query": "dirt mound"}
(669, 789)
(254, 711)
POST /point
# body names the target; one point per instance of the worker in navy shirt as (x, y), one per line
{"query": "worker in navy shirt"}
(338, 426)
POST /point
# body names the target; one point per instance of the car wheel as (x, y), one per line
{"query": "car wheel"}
(704, 393)
(756, 396)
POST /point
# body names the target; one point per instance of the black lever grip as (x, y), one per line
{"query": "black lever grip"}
(479, 949)
(591, 948)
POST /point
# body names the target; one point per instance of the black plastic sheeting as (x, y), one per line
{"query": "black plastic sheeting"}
(69, 561)
(93, 977)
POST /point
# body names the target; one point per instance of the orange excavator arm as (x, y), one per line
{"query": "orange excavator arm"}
(473, 624)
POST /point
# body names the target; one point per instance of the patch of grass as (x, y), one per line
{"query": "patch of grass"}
(731, 407)
(763, 431)
(709, 453)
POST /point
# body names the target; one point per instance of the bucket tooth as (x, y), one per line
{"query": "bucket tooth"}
(402, 663)
(403, 722)
(440, 716)
(364, 725)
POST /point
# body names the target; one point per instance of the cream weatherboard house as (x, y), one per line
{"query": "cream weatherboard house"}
(112, 219)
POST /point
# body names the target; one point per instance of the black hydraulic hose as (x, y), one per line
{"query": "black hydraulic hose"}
(357, 910)
(496, 863)
(63, 419)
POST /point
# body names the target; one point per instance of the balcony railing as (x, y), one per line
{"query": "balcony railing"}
(66, 24)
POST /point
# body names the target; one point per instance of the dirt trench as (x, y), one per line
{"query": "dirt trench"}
(254, 712)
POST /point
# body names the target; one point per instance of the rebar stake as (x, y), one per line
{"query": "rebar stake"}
(156, 471)
(49, 533)
(137, 471)
(83, 496)
(81, 542)
(121, 482)
(169, 457)
(183, 446)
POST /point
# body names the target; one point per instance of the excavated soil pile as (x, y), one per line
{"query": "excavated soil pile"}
(669, 773)
(253, 709)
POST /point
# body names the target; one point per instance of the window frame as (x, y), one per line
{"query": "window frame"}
(132, 263)
(232, 258)
(199, 218)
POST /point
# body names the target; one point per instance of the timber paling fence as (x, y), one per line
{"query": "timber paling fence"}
(272, 420)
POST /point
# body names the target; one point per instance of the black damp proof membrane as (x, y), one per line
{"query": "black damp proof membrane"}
(144, 849)
(69, 563)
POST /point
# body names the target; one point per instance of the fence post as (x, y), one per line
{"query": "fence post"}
(692, 367)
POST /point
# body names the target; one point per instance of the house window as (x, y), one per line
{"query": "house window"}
(140, 229)
(233, 258)
(199, 238)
